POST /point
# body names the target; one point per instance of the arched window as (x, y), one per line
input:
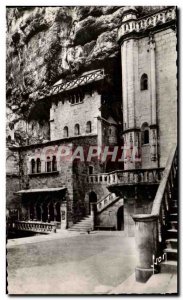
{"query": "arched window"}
(48, 164)
(145, 134)
(33, 166)
(66, 132)
(54, 164)
(144, 82)
(77, 129)
(38, 163)
(88, 127)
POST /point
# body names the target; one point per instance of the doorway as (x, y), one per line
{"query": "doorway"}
(120, 218)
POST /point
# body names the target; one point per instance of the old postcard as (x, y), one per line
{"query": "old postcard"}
(91, 150)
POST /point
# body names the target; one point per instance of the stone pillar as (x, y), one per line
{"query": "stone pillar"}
(124, 85)
(41, 208)
(146, 236)
(130, 84)
(55, 212)
(153, 80)
(35, 212)
(48, 207)
(64, 215)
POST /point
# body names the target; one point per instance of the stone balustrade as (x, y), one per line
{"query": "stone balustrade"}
(142, 24)
(150, 229)
(102, 203)
(34, 226)
(135, 176)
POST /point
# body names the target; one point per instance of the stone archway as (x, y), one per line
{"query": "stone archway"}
(120, 218)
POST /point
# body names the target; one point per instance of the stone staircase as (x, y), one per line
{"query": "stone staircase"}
(84, 225)
(172, 236)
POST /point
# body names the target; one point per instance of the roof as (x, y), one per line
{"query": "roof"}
(44, 190)
(87, 77)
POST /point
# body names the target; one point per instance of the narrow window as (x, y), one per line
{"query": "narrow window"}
(38, 163)
(90, 170)
(144, 82)
(146, 136)
(33, 166)
(77, 129)
(54, 164)
(48, 164)
(88, 127)
(66, 132)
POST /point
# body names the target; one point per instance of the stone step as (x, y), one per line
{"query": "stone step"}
(171, 253)
(169, 266)
(172, 233)
(173, 209)
(173, 216)
(174, 224)
(171, 243)
(80, 229)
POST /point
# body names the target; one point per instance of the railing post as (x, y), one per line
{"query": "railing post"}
(146, 235)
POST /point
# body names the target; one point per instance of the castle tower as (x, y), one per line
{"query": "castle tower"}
(139, 92)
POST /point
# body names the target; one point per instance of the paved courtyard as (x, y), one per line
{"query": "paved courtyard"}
(76, 264)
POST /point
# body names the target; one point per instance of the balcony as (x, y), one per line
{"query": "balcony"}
(127, 177)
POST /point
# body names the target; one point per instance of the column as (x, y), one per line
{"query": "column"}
(153, 80)
(131, 83)
(55, 212)
(124, 85)
(146, 236)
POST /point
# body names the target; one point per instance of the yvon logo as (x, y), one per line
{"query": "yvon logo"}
(158, 260)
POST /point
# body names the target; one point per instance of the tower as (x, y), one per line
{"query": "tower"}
(138, 91)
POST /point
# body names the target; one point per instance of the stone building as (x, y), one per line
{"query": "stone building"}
(133, 106)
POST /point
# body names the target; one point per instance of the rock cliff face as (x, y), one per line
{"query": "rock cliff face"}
(45, 44)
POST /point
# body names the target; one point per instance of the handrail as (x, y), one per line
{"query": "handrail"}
(151, 228)
(102, 199)
(161, 189)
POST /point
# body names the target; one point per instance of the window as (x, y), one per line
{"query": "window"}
(48, 164)
(90, 170)
(88, 127)
(77, 129)
(38, 163)
(144, 82)
(54, 164)
(66, 132)
(146, 136)
(33, 166)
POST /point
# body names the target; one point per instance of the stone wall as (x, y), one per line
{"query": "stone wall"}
(166, 72)
(68, 114)
(108, 217)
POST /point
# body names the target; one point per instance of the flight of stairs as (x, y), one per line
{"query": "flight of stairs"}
(172, 237)
(85, 225)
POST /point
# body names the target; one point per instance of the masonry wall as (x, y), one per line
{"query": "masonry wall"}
(68, 114)
(166, 74)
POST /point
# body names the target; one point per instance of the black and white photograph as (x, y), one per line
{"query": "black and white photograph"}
(92, 150)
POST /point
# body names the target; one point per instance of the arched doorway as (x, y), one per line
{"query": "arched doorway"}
(120, 218)
(92, 199)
